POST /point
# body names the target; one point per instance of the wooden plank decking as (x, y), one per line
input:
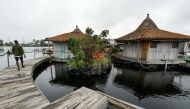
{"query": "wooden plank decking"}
(17, 91)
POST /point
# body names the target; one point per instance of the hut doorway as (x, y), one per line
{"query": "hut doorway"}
(144, 50)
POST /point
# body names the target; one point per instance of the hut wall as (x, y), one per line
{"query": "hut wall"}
(163, 50)
(132, 49)
(61, 51)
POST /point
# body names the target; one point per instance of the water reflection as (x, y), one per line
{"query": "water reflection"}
(145, 84)
(62, 77)
(151, 90)
(141, 84)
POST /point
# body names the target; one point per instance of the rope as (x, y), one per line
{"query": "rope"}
(3, 54)
(149, 66)
(29, 52)
(62, 51)
(35, 51)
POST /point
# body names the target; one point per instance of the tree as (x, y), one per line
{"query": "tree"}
(11, 44)
(89, 31)
(74, 46)
(1, 42)
(87, 48)
(104, 33)
(42, 43)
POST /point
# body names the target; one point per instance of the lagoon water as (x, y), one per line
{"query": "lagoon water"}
(151, 90)
(3, 59)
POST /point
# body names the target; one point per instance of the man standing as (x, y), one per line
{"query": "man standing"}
(18, 53)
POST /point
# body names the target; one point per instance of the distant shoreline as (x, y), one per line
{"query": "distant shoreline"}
(26, 46)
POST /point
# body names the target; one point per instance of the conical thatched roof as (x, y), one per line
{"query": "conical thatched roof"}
(147, 24)
(76, 33)
(149, 31)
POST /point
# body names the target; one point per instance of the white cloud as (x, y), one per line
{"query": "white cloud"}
(30, 19)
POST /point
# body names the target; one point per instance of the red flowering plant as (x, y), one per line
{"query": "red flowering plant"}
(89, 50)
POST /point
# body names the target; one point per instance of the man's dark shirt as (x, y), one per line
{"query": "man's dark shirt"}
(17, 50)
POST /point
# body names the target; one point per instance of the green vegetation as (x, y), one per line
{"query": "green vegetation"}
(1, 42)
(184, 57)
(78, 61)
(89, 50)
(115, 50)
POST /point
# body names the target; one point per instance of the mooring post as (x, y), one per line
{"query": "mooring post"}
(113, 70)
(165, 65)
(51, 72)
(8, 54)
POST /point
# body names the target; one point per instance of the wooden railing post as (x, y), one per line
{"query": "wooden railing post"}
(34, 54)
(43, 51)
(49, 53)
(8, 55)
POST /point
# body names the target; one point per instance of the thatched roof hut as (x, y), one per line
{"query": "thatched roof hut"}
(149, 31)
(60, 44)
(152, 45)
(77, 33)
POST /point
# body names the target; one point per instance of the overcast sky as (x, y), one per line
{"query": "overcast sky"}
(29, 19)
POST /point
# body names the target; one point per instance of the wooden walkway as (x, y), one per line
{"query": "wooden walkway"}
(18, 91)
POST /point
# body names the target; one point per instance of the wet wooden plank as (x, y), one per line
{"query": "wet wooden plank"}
(120, 103)
(17, 90)
(83, 98)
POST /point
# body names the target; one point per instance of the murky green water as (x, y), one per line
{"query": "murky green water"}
(151, 90)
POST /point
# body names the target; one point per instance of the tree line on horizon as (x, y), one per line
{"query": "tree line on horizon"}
(34, 42)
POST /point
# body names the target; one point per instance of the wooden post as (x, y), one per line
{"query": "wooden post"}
(51, 72)
(8, 54)
(49, 53)
(166, 65)
(34, 54)
(43, 51)
(49, 45)
(113, 70)
(49, 50)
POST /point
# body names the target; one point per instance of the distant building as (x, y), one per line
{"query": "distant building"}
(111, 41)
(60, 43)
(151, 45)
